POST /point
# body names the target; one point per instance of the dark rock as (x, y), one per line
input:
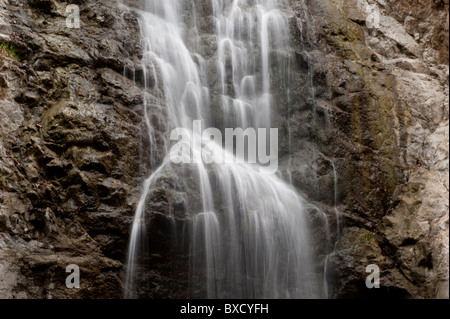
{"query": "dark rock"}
(366, 133)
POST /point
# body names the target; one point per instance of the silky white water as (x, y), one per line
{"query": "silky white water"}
(250, 237)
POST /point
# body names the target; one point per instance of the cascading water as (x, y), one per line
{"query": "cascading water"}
(249, 238)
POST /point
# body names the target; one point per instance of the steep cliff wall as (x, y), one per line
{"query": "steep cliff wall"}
(371, 103)
(385, 88)
(70, 156)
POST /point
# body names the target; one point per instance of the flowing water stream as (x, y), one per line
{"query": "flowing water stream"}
(250, 236)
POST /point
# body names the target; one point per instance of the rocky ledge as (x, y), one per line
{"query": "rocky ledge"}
(369, 120)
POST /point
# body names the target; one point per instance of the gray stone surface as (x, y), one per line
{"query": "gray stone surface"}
(372, 102)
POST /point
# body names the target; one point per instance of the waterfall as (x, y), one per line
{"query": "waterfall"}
(249, 236)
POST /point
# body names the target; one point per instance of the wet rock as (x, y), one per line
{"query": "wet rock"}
(395, 140)
(67, 194)
(365, 132)
(356, 252)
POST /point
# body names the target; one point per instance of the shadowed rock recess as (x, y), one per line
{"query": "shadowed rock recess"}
(364, 135)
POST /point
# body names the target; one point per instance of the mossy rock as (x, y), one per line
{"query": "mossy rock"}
(7, 49)
(359, 243)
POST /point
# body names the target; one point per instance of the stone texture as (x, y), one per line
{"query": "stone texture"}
(389, 140)
(70, 148)
(368, 105)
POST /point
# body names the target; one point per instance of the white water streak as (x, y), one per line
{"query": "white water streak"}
(251, 237)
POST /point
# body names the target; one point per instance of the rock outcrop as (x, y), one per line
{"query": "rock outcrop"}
(70, 148)
(364, 136)
(381, 72)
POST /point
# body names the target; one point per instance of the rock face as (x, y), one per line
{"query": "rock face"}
(385, 86)
(365, 133)
(70, 155)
